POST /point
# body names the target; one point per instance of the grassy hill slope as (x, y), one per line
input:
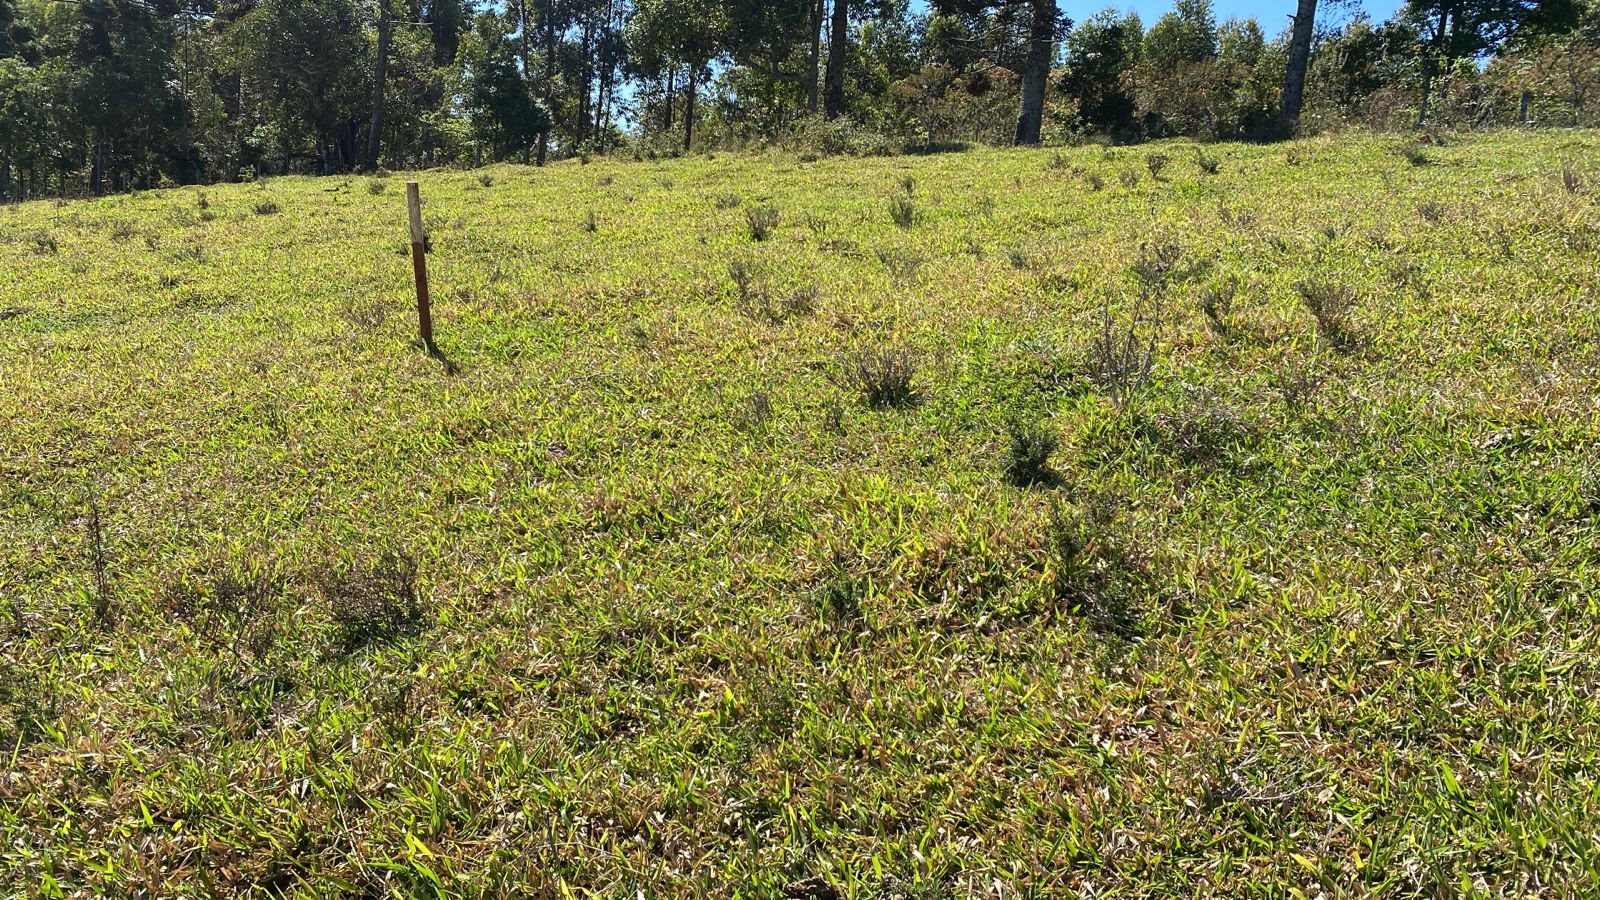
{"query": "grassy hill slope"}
(665, 587)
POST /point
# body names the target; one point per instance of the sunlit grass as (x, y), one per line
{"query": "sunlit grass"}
(653, 595)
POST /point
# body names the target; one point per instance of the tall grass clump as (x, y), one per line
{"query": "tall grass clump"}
(760, 221)
(903, 210)
(883, 377)
(1026, 461)
(1332, 304)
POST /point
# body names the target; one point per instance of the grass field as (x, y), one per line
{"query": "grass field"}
(1234, 535)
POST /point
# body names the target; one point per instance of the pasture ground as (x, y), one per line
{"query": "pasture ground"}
(644, 596)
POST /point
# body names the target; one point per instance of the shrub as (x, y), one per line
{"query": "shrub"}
(28, 707)
(1095, 181)
(591, 222)
(373, 603)
(902, 265)
(1157, 265)
(903, 210)
(44, 243)
(1022, 258)
(1298, 381)
(1413, 154)
(1237, 218)
(840, 594)
(1203, 433)
(1589, 485)
(1209, 165)
(754, 410)
(1122, 356)
(1026, 461)
(1571, 179)
(882, 376)
(485, 179)
(757, 300)
(1216, 301)
(369, 316)
(1155, 162)
(801, 301)
(744, 277)
(761, 220)
(234, 607)
(1095, 568)
(94, 540)
(728, 201)
(1129, 178)
(1331, 303)
(267, 208)
(376, 187)
(909, 184)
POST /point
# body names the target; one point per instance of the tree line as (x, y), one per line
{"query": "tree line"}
(108, 95)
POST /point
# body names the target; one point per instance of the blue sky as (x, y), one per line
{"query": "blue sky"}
(1272, 14)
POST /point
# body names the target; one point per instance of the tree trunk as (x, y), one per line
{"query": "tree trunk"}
(585, 80)
(1036, 71)
(1441, 38)
(97, 171)
(522, 38)
(814, 58)
(549, 75)
(1294, 78)
(838, 43)
(603, 77)
(380, 74)
(688, 111)
(672, 75)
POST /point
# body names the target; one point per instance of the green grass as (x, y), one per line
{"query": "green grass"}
(642, 597)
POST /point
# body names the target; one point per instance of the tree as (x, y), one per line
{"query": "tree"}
(838, 50)
(1451, 30)
(122, 54)
(685, 34)
(447, 20)
(1294, 79)
(16, 38)
(380, 72)
(1036, 74)
(1044, 25)
(1188, 34)
(308, 59)
(25, 127)
(505, 115)
(1100, 54)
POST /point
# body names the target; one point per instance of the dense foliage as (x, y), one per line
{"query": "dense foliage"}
(106, 95)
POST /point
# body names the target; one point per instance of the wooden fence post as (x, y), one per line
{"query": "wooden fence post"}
(419, 263)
